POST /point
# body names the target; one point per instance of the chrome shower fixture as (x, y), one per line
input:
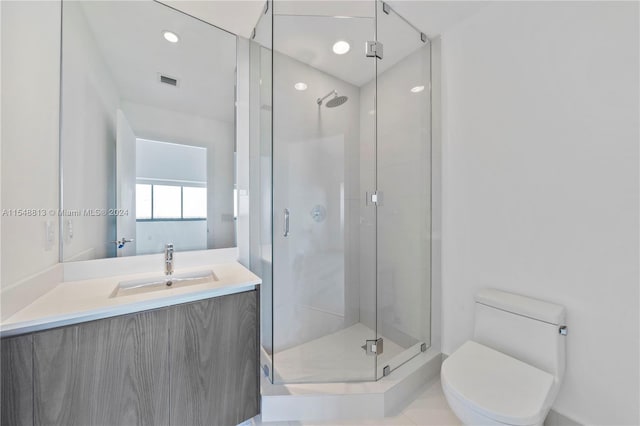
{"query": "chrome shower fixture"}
(335, 101)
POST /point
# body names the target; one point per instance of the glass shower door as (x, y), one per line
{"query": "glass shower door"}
(403, 134)
(324, 293)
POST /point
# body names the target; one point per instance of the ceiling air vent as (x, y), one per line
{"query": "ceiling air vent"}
(168, 80)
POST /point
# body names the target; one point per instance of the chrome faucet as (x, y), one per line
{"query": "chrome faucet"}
(168, 262)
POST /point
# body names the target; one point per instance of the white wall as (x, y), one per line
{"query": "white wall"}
(90, 100)
(540, 106)
(151, 237)
(161, 161)
(242, 132)
(166, 163)
(162, 125)
(30, 86)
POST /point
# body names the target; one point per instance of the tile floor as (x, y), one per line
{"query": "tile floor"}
(428, 409)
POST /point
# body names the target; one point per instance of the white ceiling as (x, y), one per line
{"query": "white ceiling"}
(129, 37)
(310, 39)
(307, 29)
(236, 16)
(433, 17)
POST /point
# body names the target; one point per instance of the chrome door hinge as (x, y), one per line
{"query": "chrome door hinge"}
(374, 49)
(373, 347)
(374, 198)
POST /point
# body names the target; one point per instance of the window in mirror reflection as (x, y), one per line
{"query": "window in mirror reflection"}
(194, 202)
(167, 202)
(170, 202)
(143, 201)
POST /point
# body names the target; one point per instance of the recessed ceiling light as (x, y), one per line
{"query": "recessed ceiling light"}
(417, 89)
(170, 36)
(300, 86)
(341, 47)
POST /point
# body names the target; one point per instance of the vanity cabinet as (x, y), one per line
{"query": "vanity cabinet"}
(214, 361)
(191, 364)
(17, 377)
(108, 372)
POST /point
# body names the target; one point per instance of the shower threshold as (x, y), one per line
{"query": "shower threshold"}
(336, 357)
(342, 400)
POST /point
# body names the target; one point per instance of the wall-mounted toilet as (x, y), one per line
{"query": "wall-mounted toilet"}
(512, 369)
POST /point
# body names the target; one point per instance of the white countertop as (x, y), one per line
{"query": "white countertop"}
(80, 301)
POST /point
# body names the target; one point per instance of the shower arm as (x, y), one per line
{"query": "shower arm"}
(320, 100)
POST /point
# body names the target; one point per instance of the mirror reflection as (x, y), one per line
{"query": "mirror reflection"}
(147, 131)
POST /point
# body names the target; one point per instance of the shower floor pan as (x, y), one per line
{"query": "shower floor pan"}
(332, 373)
(336, 357)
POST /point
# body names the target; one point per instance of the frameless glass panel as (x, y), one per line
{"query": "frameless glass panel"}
(260, 178)
(404, 184)
(166, 202)
(194, 202)
(143, 201)
(323, 165)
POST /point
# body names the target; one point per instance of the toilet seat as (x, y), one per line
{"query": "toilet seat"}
(496, 386)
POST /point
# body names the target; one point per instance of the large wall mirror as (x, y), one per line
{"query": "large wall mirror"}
(147, 131)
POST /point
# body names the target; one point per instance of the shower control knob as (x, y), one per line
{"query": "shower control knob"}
(318, 213)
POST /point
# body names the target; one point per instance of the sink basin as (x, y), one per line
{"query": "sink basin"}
(160, 283)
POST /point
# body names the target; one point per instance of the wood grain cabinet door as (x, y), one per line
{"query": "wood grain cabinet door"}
(214, 361)
(107, 372)
(16, 375)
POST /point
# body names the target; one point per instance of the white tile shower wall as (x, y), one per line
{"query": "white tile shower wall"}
(30, 87)
(218, 137)
(540, 183)
(90, 100)
(367, 236)
(316, 151)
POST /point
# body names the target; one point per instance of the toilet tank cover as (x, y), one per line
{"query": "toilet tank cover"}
(522, 305)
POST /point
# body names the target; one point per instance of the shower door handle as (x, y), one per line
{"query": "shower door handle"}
(286, 222)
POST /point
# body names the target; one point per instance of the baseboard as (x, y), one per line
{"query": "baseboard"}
(556, 419)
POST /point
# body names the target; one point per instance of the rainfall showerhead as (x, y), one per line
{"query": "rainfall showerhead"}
(335, 101)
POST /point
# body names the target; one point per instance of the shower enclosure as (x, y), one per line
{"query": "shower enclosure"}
(340, 189)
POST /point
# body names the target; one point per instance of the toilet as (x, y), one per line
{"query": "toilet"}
(510, 372)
